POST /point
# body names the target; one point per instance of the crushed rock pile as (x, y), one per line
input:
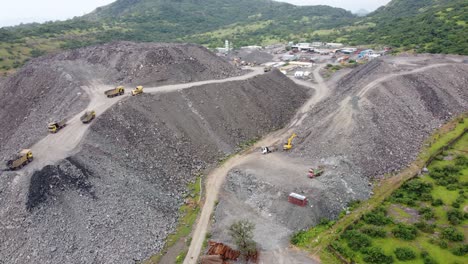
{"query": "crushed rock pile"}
(131, 173)
(383, 129)
(49, 88)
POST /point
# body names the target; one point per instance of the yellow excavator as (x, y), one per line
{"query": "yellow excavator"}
(288, 145)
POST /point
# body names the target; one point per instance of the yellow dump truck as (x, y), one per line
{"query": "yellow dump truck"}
(88, 116)
(137, 90)
(54, 127)
(20, 160)
(115, 92)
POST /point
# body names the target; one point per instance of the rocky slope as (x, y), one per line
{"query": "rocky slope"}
(117, 199)
(54, 87)
(384, 111)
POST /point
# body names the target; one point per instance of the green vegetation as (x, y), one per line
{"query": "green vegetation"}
(188, 215)
(375, 237)
(242, 233)
(435, 26)
(422, 230)
(404, 253)
(244, 22)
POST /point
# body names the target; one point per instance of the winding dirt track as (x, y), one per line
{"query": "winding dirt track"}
(55, 147)
(216, 178)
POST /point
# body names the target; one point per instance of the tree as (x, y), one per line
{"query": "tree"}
(242, 234)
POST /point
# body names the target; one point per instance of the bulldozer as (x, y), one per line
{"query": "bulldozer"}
(137, 90)
(24, 157)
(88, 116)
(288, 145)
(54, 127)
(115, 92)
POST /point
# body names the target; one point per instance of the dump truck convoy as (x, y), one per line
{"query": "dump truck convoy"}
(88, 116)
(20, 160)
(115, 92)
(137, 90)
(54, 127)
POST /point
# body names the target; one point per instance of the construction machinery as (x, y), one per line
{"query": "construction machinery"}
(266, 150)
(88, 116)
(288, 145)
(24, 157)
(137, 90)
(115, 92)
(54, 127)
(316, 172)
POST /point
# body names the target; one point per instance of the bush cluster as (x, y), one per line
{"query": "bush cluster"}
(376, 255)
(404, 253)
(357, 241)
(377, 217)
(405, 232)
(452, 234)
(446, 175)
(425, 227)
(374, 231)
(412, 191)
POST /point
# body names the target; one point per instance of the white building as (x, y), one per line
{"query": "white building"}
(299, 74)
(334, 45)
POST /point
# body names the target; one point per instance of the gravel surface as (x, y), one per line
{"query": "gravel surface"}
(252, 55)
(117, 199)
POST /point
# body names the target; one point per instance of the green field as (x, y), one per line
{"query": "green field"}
(425, 229)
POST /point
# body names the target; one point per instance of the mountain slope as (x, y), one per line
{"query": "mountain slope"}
(434, 26)
(166, 21)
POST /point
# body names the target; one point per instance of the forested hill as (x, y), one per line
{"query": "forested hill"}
(435, 26)
(260, 21)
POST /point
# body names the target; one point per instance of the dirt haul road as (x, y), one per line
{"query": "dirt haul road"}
(216, 178)
(55, 147)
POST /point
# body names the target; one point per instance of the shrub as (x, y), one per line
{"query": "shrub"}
(403, 253)
(452, 234)
(427, 258)
(461, 160)
(377, 217)
(376, 255)
(426, 212)
(411, 191)
(454, 216)
(356, 240)
(425, 227)
(437, 202)
(343, 250)
(405, 232)
(460, 250)
(374, 232)
(443, 244)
